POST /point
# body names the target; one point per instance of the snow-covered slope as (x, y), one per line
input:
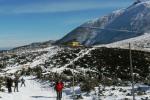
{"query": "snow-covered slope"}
(86, 62)
(27, 58)
(119, 25)
(50, 59)
(137, 43)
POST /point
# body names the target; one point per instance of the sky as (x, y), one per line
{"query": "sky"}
(27, 21)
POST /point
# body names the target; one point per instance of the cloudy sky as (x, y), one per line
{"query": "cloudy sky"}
(27, 21)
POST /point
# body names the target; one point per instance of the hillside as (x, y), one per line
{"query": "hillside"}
(120, 25)
(94, 60)
(92, 67)
(33, 46)
(138, 43)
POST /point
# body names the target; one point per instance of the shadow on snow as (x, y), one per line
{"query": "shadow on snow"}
(41, 97)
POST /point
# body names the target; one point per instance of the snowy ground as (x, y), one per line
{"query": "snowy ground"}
(137, 43)
(33, 91)
(37, 90)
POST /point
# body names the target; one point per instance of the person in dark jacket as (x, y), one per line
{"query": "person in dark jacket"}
(16, 81)
(58, 87)
(9, 84)
(22, 82)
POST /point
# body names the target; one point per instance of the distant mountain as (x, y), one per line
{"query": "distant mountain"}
(4, 48)
(32, 46)
(119, 25)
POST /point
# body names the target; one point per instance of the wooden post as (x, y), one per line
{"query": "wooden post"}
(131, 67)
(73, 84)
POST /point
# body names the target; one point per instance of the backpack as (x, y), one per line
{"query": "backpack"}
(59, 86)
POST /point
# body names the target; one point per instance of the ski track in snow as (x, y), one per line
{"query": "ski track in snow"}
(41, 59)
(81, 54)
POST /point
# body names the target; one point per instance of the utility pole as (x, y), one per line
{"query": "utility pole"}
(131, 67)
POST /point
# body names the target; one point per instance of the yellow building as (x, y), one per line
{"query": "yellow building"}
(74, 44)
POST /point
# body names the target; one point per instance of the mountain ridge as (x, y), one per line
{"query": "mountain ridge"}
(135, 18)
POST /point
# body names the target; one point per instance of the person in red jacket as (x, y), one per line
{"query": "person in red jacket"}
(58, 87)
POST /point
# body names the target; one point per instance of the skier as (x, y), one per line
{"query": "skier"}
(9, 84)
(22, 82)
(16, 81)
(58, 87)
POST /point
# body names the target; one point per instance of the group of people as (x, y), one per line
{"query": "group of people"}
(10, 81)
(58, 86)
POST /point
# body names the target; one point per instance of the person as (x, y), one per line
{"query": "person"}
(9, 84)
(58, 87)
(22, 82)
(16, 81)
